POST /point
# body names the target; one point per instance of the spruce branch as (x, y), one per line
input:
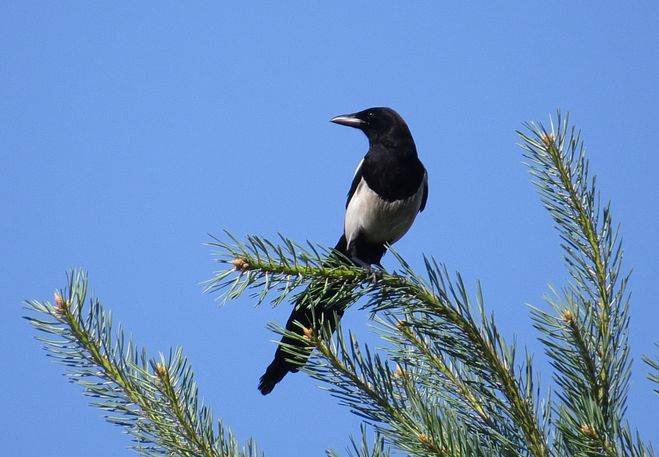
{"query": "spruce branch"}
(154, 400)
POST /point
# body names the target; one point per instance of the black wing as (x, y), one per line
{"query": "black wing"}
(424, 198)
(355, 181)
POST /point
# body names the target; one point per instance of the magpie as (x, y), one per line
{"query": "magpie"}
(389, 188)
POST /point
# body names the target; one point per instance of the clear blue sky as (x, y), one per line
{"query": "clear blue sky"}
(130, 130)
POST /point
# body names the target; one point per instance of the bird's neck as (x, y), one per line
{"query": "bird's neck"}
(393, 149)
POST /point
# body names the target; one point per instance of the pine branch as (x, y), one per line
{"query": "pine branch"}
(154, 400)
(410, 416)
(586, 335)
(494, 389)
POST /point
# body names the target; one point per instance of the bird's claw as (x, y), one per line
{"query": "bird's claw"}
(377, 270)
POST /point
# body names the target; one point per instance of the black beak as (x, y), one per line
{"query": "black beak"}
(348, 119)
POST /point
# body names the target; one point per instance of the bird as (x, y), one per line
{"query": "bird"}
(388, 190)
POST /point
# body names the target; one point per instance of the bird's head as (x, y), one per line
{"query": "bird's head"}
(376, 123)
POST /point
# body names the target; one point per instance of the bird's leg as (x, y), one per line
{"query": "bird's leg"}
(360, 263)
(375, 269)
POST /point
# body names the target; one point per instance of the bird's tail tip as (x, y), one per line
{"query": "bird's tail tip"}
(265, 386)
(273, 374)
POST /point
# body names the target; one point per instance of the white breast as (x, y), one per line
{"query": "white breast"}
(377, 220)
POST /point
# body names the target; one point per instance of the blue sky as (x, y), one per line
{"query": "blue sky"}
(128, 132)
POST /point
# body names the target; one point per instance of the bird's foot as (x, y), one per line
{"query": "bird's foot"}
(376, 270)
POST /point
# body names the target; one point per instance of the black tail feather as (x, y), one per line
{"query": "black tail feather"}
(282, 363)
(273, 374)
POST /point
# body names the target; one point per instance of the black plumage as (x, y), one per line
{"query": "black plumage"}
(389, 188)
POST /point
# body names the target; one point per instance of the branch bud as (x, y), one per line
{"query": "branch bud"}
(308, 333)
(160, 370)
(568, 317)
(240, 264)
(588, 431)
(548, 138)
(425, 440)
(61, 305)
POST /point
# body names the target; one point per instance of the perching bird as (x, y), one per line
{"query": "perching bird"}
(389, 188)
